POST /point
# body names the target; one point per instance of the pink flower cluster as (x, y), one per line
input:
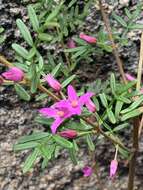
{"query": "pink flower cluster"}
(67, 108)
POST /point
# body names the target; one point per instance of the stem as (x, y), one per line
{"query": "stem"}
(136, 126)
(134, 156)
(115, 49)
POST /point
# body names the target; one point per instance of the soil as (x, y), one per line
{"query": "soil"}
(17, 118)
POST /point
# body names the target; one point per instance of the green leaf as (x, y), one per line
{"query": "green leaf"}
(25, 146)
(25, 32)
(113, 83)
(125, 88)
(118, 108)
(131, 114)
(73, 156)
(31, 53)
(120, 127)
(89, 142)
(119, 19)
(41, 96)
(2, 38)
(54, 13)
(45, 37)
(35, 82)
(103, 100)
(72, 3)
(20, 50)
(136, 26)
(111, 116)
(124, 99)
(34, 137)
(133, 105)
(68, 81)
(47, 151)
(30, 160)
(43, 120)
(129, 15)
(56, 69)
(62, 141)
(22, 92)
(124, 153)
(33, 18)
(79, 53)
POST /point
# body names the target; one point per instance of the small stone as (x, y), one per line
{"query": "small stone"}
(124, 2)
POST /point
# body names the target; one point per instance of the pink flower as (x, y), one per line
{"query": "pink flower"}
(75, 103)
(113, 168)
(71, 43)
(14, 74)
(129, 77)
(59, 114)
(85, 99)
(88, 38)
(87, 171)
(53, 82)
(71, 134)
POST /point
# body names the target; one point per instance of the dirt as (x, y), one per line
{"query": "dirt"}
(17, 119)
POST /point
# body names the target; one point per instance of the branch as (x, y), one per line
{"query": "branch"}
(115, 50)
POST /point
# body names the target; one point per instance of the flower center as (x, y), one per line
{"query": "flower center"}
(74, 103)
(60, 113)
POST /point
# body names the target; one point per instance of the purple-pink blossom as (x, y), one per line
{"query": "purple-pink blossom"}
(70, 134)
(59, 114)
(53, 83)
(75, 103)
(87, 38)
(113, 168)
(71, 43)
(87, 171)
(129, 77)
(14, 74)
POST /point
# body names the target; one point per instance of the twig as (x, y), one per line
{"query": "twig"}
(115, 50)
(136, 126)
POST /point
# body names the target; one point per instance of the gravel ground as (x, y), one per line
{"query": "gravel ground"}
(17, 119)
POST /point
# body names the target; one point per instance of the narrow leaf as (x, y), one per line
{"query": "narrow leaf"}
(22, 92)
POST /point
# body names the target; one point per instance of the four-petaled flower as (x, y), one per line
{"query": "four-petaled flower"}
(66, 108)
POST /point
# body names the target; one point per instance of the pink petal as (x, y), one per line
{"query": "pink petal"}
(71, 43)
(87, 171)
(87, 38)
(53, 82)
(90, 105)
(85, 97)
(71, 134)
(129, 77)
(56, 124)
(14, 74)
(72, 95)
(48, 112)
(113, 168)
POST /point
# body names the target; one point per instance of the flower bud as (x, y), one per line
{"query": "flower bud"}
(88, 38)
(87, 171)
(53, 82)
(70, 134)
(71, 43)
(13, 74)
(113, 168)
(129, 77)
